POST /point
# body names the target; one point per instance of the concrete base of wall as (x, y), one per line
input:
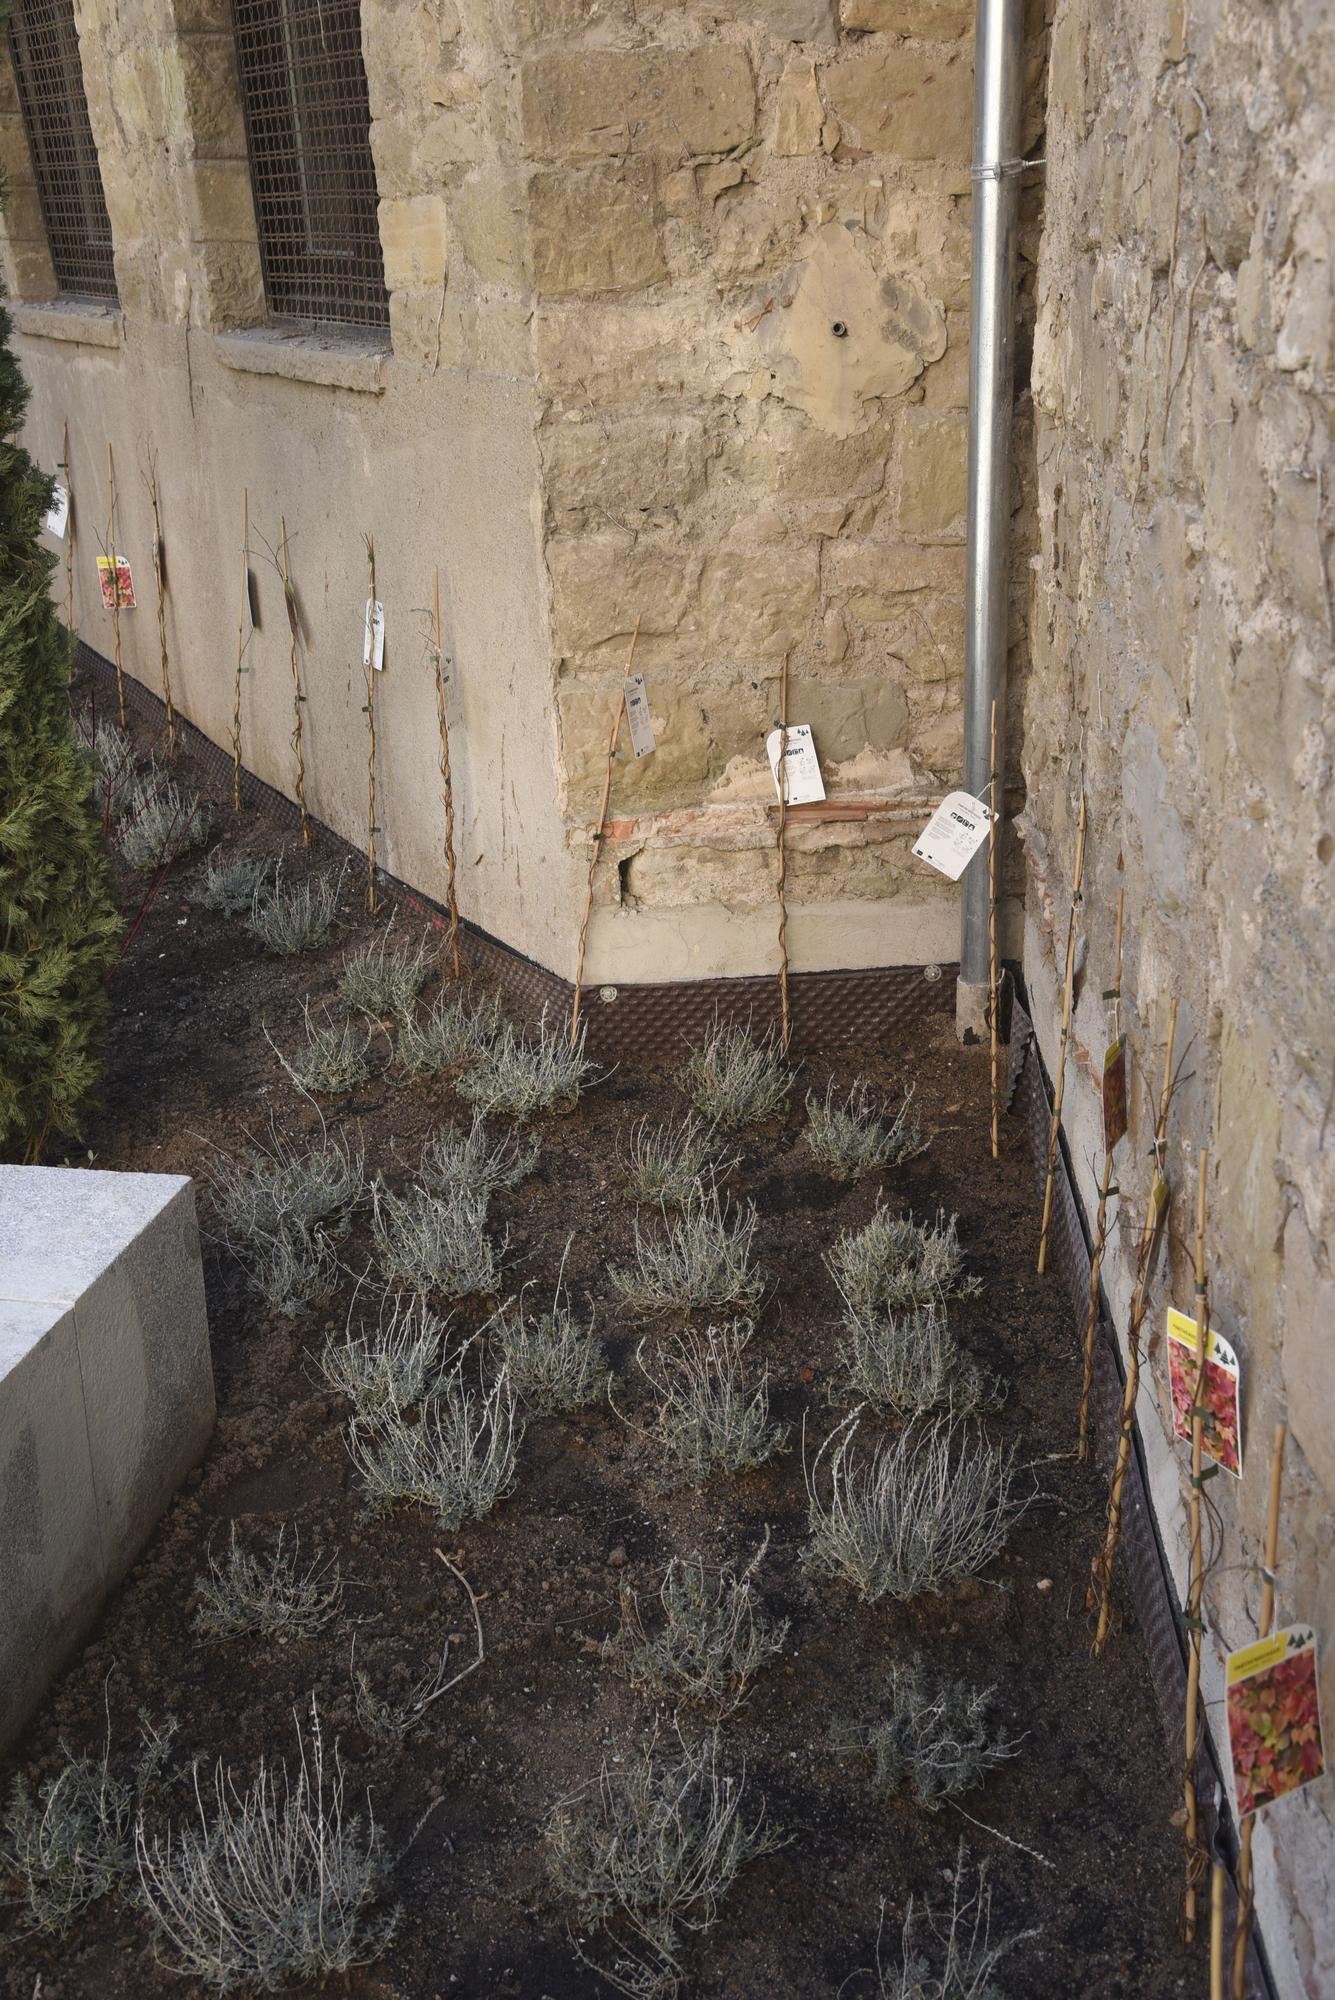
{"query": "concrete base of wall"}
(106, 1398)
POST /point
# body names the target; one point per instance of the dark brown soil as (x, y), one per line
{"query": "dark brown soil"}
(1093, 1789)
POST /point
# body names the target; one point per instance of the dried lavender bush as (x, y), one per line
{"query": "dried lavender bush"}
(335, 1059)
(266, 1592)
(708, 1418)
(663, 1165)
(957, 1959)
(395, 1364)
(697, 1256)
(852, 1138)
(291, 918)
(524, 1074)
(383, 979)
(161, 822)
(430, 1242)
(712, 1640)
(453, 1029)
(554, 1359)
(459, 1459)
(285, 1184)
(230, 887)
(475, 1162)
(910, 1362)
(932, 1737)
(895, 1264)
(733, 1079)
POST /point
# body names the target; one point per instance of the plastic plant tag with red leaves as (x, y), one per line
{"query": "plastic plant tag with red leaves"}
(1274, 1717)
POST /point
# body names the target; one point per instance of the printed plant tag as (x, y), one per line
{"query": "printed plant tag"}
(801, 765)
(250, 624)
(1274, 1717)
(373, 645)
(1114, 1094)
(954, 834)
(113, 573)
(642, 738)
(1221, 1429)
(58, 512)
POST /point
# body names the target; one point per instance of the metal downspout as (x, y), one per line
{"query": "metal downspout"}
(998, 51)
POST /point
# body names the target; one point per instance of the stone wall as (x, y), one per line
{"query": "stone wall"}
(1181, 624)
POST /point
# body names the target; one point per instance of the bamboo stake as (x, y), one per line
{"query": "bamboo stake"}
(69, 531)
(1217, 1931)
(599, 835)
(992, 995)
(160, 585)
(243, 607)
(1103, 1564)
(290, 599)
(1059, 1081)
(785, 1016)
(1246, 1893)
(1195, 1574)
(115, 583)
(1101, 1220)
(371, 828)
(446, 791)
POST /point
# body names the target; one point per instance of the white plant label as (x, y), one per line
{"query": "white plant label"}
(642, 738)
(954, 834)
(58, 512)
(373, 648)
(802, 779)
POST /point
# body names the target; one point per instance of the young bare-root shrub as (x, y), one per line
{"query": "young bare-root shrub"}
(933, 1737)
(554, 1359)
(910, 1362)
(852, 1137)
(951, 1955)
(474, 1162)
(699, 1256)
(735, 1079)
(273, 1881)
(399, 1713)
(664, 1165)
(436, 1242)
(116, 769)
(393, 1365)
(648, 1851)
(459, 1459)
(895, 1264)
(382, 979)
(73, 1842)
(708, 1417)
(266, 1591)
(284, 1185)
(524, 1074)
(712, 1640)
(292, 917)
(454, 1029)
(918, 1514)
(230, 887)
(162, 821)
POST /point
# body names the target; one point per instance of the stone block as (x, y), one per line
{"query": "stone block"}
(212, 107)
(219, 203)
(624, 354)
(933, 468)
(413, 239)
(15, 159)
(602, 583)
(798, 112)
(621, 469)
(929, 20)
(594, 231)
(491, 226)
(106, 1398)
(757, 603)
(792, 20)
(906, 101)
(785, 454)
(589, 103)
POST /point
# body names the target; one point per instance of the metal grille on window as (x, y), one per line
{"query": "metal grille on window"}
(44, 44)
(308, 126)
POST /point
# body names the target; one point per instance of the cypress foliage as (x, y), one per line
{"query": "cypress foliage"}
(58, 921)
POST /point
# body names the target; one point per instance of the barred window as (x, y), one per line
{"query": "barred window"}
(308, 132)
(44, 44)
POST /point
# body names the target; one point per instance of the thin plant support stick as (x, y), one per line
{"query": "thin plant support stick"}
(242, 619)
(290, 599)
(1059, 1080)
(1103, 1563)
(992, 980)
(446, 789)
(599, 835)
(1196, 1860)
(371, 828)
(160, 585)
(69, 529)
(115, 585)
(1101, 1220)
(1217, 1874)
(1246, 1890)
(785, 1015)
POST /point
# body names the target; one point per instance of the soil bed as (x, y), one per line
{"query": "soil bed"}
(189, 1070)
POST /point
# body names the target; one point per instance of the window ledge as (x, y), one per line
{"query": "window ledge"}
(337, 361)
(83, 320)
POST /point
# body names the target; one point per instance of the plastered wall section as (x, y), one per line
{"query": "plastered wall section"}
(1181, 626)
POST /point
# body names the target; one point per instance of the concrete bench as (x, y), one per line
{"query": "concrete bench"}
(106, 1398)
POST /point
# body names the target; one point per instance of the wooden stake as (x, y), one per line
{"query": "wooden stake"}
(785, 1016)
(1103, 1564)
(1246, 1891)
(159, 580)
(115, 584)
(69, 530)
(446, 791)
(242, 619)
(371, 828)
(992, 981)
(290, 600)
(1195, 1574)
(1101, 1220)
(598, 836)
(1217, 1877)
(1059, 1080)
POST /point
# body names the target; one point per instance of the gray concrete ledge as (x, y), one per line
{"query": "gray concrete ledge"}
(333, 361)
(80, 320)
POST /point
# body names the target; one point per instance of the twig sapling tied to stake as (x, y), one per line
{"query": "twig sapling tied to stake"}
(242, 637)
(290, 601)
(1246, 1888)
(785, 1016)
(371, 828)
(69, 528)
(1106, 1191)
(1059, 1079)
(600, 834)
(446, 787)
(993, 983)
(1196, 1855)
(115, 585)
(160, 586)
(1156, 1206)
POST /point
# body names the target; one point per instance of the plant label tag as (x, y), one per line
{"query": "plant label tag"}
(1158, 1211)
(954, 834)
(1114, 1094)
(250, 624)
(113, 574)
(373, 646)
(801, 784)
(1221, 1427)
(1274, 1717)
(58, 512)
(642, 738)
